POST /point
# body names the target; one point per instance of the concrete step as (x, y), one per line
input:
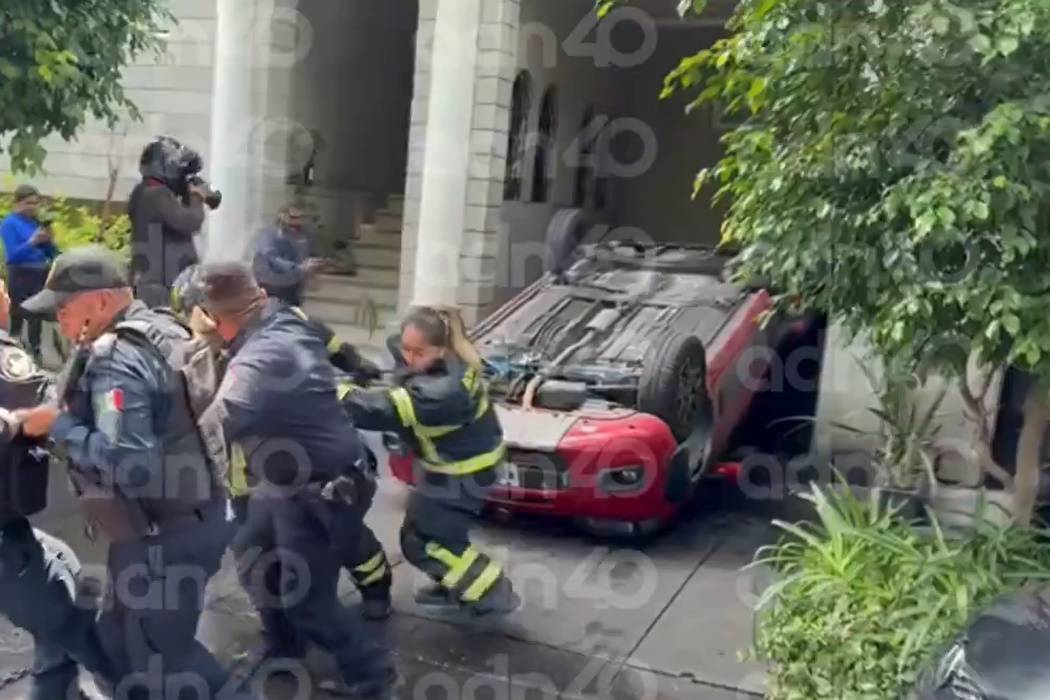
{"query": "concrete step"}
(395, 204)
(366, 276)
(348, 293)
(373, 235)
(374, 256)
(388, 221)
(348, 313)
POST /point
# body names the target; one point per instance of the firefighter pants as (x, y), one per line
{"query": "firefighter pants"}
(39, 594)
(435, 536)
(285, 547)
(149, 627)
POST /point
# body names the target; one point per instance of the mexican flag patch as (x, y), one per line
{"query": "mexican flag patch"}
(108, 413)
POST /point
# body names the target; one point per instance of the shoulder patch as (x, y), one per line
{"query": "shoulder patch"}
(16, 364)
(109, 410)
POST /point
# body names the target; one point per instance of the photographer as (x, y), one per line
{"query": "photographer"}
(166, 211)
(29, 249)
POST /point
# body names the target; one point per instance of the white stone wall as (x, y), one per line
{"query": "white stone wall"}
(173, 92)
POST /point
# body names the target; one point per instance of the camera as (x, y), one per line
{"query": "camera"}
(212, 198)
(179, 167)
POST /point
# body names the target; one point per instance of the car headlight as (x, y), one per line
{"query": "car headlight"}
(620, 479)
(393, 444)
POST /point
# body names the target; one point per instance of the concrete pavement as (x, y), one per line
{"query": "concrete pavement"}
(600, 619)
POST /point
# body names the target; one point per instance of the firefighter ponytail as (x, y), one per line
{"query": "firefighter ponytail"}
(443, 327)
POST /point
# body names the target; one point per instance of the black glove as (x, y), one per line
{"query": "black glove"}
(367, 372)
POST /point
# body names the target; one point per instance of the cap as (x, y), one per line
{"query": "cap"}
(82, 269)
(228, 287)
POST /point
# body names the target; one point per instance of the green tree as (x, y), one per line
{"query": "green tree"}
(60, 63)
(893, 171)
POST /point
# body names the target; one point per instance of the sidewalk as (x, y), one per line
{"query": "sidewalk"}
(599, 620)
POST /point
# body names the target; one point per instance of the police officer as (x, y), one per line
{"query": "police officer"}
(364, 557)
(306, 467)
(138, 462)
(38, 573)
(441, 406)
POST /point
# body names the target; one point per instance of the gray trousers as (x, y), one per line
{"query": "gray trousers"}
(39, 594)
(149, 627)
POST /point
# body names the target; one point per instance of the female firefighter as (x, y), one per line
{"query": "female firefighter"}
(440, 405)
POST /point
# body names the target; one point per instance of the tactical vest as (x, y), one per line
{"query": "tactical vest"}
(188, 479)
(23, 461)
(194, 465)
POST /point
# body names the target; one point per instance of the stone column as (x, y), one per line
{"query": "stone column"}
(465, 59)
(231, 118)
(446, 154)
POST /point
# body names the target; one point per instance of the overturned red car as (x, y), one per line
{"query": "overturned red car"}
(619, 382)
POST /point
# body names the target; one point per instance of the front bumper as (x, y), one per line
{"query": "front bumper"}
(608, 468)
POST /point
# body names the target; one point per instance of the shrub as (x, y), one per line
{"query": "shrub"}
(864, 599)
(78, 225)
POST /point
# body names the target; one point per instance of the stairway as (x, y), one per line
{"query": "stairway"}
(362, 308)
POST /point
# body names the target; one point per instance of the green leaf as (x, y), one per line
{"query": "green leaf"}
(1012, 324)
(1007, 45)
(981, 44)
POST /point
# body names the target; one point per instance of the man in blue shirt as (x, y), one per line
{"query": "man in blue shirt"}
(284, 258)
(29, 249)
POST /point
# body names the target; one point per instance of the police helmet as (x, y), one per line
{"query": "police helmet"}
(187, 291)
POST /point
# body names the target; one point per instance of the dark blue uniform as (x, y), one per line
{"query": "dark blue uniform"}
(279, 403)
(38, 573)
(142, 478)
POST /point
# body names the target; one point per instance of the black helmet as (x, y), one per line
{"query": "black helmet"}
(187, 291)
(166, 159)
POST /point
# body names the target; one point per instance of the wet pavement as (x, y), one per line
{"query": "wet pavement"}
(601, 619)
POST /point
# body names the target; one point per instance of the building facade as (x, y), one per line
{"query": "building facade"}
(439, 140)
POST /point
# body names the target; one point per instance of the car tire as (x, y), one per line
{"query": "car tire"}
(672, 385)
(565, 234)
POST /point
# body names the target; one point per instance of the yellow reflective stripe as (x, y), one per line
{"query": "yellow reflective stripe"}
(446, 557)
(456, 573)
(343, 389)
(406, 412)
(436, 431)
(371, 564)
(482, 584)
(238, 471)
(334, 345)
(300, 313)
(470, 379)
(463, 467)
(373, 577)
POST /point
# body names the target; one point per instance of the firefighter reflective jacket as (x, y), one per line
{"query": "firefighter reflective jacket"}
(446, 412)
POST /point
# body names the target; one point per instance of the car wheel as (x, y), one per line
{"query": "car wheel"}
(565, 234)
(672, 383)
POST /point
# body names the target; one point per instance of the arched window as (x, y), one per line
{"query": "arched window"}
(545, 163)
(584, 161)
(521, 100)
